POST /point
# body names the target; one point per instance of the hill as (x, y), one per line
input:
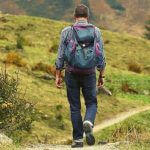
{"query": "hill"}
(29, 44)
(115, 15)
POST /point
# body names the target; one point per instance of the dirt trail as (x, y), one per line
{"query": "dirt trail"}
(120, 117)
(110, 146)
(65, 147)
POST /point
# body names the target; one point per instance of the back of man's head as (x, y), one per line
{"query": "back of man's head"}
(81, 11)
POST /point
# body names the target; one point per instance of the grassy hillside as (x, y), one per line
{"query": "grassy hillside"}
(135, 130)
(29, 44)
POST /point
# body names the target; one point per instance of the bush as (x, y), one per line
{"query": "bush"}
(44, 67)
(59, 117)
(15, 58)
(15, 112)
(54, 48)
(3, 37)
(147, 27)
(126, 87)
(10, 47)
(20, 42)
(39, 66)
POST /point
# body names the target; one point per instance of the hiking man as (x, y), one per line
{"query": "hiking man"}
(81, 51)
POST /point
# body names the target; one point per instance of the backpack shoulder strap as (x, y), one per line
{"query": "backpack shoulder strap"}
(76, 34)
(77, 37)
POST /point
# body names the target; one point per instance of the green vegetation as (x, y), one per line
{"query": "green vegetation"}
(115, 5)
(16, 114)
(147, 27)
(102, 12)
(40, 39)
(9, 147)
(135, 130)
(19, 42)
(48, 8)
(86, 2)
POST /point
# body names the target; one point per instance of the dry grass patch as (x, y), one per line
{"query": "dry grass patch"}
(15, 58)
(135, 67)
(45, 68)
(125, 87)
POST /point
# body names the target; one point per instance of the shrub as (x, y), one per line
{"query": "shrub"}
(20, 42)
(44, 67)
(15, 58)
(15, 112)
(59, 117)
(3, 19)
(115, 5)
(10, 47)
(39, 66)
(147, 27)
(106, 42)
(54, 48)
(135, 67)
(3, 37)
(126, 87)
(22, 28)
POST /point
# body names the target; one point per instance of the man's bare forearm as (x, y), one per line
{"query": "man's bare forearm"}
(58, 73)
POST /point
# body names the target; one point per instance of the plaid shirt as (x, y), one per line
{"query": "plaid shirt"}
(62, 46)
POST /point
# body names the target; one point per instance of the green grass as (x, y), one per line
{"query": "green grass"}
(9, 147)
(135, 130)
(39, 36)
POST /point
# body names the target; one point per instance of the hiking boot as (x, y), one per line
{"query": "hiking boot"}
(88, 129)
(77, 144)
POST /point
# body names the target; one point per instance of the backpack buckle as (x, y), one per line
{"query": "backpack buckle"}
(83, 45)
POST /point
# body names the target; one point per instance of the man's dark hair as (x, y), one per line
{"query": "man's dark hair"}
(81, 11)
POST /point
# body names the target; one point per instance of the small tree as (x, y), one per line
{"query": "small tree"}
(147, 27)
(15, 112)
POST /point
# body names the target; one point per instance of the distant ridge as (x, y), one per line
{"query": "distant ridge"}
(115, 15)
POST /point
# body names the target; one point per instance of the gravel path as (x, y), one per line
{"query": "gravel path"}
(112, 146)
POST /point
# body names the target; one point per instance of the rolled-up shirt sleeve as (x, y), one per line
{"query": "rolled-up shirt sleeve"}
(102, 63)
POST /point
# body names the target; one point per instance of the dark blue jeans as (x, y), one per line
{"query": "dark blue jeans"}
(87, 83)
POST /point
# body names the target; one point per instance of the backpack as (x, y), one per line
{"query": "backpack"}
(82, 47)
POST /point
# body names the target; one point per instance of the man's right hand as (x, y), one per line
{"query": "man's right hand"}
(58, 80)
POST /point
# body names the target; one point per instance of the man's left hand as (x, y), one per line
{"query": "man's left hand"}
(101, 82)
